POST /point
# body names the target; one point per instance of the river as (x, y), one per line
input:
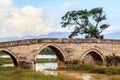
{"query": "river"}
(39, 66)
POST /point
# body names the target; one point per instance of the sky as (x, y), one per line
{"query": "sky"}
(35, 17)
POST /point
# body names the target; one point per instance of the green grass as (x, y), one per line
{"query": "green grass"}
(46, 60)
(9, 61)
(5, 61)
(94, 69)
(12, 73)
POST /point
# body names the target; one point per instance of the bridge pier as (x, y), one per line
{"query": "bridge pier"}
(27, 64)
(61, 64)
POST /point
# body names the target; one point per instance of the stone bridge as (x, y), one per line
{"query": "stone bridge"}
(93, 51)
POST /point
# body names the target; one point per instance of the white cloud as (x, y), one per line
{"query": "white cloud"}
(22, 21)
(112, 29)
(5, 2)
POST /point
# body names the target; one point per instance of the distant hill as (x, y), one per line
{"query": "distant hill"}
(115, 35)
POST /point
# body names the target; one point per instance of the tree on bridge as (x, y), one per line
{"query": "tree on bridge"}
(86, 22)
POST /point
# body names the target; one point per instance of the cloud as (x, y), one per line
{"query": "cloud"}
(112, 29)
(5, 2)
(19, 22)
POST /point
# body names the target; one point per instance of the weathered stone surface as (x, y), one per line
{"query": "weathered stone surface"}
(66, 49)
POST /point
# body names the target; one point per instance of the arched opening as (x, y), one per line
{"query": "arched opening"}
(53, 58)
(7, 59)
(93, 57)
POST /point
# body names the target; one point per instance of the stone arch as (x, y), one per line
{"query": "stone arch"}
(13, 57)
(93, 56)
(58, 52)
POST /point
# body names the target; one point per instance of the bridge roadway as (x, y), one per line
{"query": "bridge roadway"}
(92, 51)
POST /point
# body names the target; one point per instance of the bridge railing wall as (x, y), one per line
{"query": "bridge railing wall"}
(56, 40)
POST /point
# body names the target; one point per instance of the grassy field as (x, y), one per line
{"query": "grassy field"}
(12, 73)
(9, 61)
(94, 69)
(97, 72)
(5, 61)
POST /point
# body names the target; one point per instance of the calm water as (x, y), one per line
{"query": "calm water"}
(46, 56)
(39, 56)
(5, 56)
(39, 66)
(42, 66)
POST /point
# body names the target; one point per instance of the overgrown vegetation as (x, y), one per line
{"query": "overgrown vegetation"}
(12, 73)
(94, 69)
(5, 61)
(112, 60)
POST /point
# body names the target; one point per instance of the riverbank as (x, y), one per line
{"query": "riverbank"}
(92, 72)
(13, 73)
(94, 69)
(88, 76)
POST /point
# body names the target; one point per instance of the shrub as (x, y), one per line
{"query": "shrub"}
(113, 60)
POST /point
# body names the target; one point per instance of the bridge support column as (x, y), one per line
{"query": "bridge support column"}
(27, 64)
(61, 64)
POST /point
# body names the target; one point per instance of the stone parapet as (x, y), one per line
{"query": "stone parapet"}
(56, 40)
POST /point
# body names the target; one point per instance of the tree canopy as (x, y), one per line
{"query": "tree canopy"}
(88, 22)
